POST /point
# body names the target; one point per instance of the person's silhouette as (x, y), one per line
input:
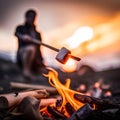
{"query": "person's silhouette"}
(29, 56)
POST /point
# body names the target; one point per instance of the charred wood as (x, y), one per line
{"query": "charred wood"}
(82, 113)
(100, 104)
(58, 103)
(101, 115)
(70, 110)
(27, 109)
(55, 113)
(29, 106)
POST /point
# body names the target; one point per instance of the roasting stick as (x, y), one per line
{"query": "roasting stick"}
(12, 99)
(57, 50)
(46, 45)
(63, 54)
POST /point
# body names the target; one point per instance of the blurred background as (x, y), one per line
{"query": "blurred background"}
(89, 28)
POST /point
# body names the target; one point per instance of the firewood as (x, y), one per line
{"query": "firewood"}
(98, 103)
(70, 110)
(49, 89)
(12, 99)
(47, 101)
(29, 107)
(55, 113)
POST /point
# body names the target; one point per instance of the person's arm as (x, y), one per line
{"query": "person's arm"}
(24, 37)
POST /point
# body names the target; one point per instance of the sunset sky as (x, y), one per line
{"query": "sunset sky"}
(93, 24)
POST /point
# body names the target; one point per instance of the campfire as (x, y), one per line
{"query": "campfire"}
(68, 104)
(67, 99)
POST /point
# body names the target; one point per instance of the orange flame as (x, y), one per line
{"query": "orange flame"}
(64, 91)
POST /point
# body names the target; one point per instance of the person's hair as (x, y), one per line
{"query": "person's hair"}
(29, 12)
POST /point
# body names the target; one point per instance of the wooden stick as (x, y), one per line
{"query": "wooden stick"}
(46, 102)
(12, 99)
(49, 89)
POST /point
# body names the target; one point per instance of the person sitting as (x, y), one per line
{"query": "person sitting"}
(29, 56)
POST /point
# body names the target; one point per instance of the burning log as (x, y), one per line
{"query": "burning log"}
(9, 100)
(100, 104)
(82, 113)
(55, 113)
(49, 89)
(69, 108)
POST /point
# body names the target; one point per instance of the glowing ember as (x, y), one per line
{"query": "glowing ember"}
(82, 87)
(108, 94)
